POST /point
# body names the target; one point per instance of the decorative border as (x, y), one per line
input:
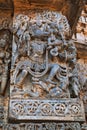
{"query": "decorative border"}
(57, 110)
(43, 126)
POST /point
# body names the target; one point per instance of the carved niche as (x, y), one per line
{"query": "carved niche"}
(44, 76)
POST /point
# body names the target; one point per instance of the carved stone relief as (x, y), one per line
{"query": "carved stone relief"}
(44, 53)
(5, 58)
(43, 69)
(6, 23)
(82, 72)
(47, 85)
(43, 126)
(84, 126)
(81, 28)
(1, 113)
(43, 109)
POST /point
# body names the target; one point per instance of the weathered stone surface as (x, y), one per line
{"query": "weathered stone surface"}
(46, 55)
(54, 110)
(43, 126)
(5, 59)
(67, 7)
(20, 95)
(44, 67)
(81, 34)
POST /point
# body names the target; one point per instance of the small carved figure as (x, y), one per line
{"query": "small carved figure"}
(4, 60)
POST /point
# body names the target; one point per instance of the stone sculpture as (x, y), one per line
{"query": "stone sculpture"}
(43, 126)
(5, 55)
(43, 71)
(46, 89)
(42, 47)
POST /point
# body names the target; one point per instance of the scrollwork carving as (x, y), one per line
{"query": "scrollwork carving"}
(49, 110)
(43, 126)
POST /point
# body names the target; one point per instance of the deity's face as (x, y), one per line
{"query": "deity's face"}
(38, 48)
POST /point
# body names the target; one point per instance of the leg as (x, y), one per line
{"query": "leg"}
(54, 70)
(21, 77)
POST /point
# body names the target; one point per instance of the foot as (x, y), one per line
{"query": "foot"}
(50, 81)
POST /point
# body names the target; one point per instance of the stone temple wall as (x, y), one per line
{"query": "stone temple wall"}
(80, 39)
(43, 65)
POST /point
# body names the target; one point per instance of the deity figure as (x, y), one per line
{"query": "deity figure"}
(43, 52)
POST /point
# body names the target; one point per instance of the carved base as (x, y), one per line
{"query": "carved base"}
(55, 110)
(43, 126)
